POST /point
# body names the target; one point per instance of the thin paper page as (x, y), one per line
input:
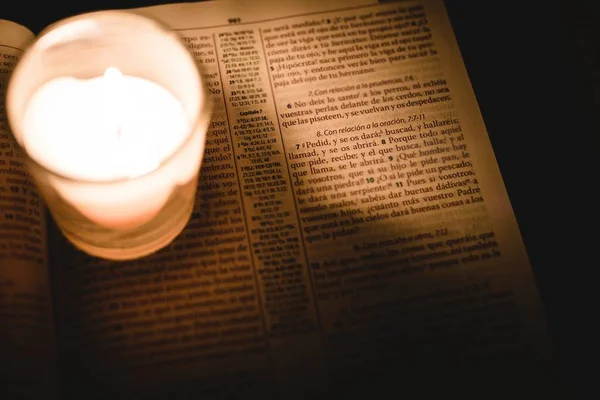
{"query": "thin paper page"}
(351, 223)
(27, 369)
(204, 14)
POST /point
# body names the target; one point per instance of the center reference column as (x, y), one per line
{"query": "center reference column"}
(271, 216)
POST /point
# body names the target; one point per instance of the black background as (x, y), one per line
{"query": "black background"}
(536, 75)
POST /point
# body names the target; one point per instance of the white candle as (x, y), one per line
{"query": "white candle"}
(116, 157)
(110, 128)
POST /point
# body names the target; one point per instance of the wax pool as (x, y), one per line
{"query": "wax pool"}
(111, 128)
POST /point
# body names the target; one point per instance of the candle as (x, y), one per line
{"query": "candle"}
(111, 113)
(107, 128)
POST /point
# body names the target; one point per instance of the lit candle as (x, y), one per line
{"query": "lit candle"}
(111, 112)
(107, 128)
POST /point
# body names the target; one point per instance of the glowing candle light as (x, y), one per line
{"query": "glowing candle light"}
(116, 154)
(107, 128)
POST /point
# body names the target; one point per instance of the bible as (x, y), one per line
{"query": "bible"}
(351, 233)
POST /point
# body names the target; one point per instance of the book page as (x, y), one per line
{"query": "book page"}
(351, 225)
(26, 331)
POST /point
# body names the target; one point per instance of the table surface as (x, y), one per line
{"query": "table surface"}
(535, 71)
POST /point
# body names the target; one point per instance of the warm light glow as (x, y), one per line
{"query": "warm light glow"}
(112, 134)
(111, 127)
(112, 85)
(106, 128)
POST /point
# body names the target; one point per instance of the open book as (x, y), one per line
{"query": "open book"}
(351, 232)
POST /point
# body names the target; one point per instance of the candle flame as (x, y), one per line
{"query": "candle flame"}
(113, 82)
(128, 143)
(112, 74)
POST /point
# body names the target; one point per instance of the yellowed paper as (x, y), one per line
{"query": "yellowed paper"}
(351, 220)
(27, 343)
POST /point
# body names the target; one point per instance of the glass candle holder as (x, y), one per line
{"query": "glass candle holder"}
(111, 113)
